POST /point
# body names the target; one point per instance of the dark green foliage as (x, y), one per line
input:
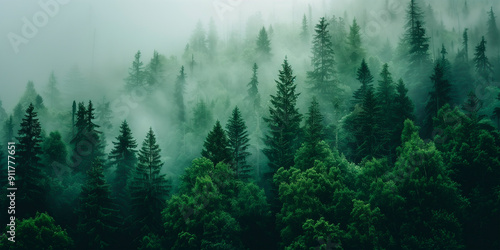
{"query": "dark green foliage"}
(283, 121)
(253, 90)
(8, 130)
(438, 97)
(496, 113)
(402, 110)
(136, 74)
(263, 48)
(237, 135)
(385, 94)
(54, 151)
(481, 62)
(31, 180)
(471, 147)
(96, 217)
(365, 77)
(216, 147)
(180, 86)
(355, 52)
(123, 157)
(39, 232)
(419, 46)
(370, 131)
(149, 188)
(322, 77)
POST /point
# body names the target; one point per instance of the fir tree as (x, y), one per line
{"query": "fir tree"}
(237, 135)
(73, 113)
(438, 97)
(136, 73)
(365, 77)
(253, 90)
(322, 77)
(149, 188)
(31, 181)
(370, 132)
(465, 44)
(202, 117)
(96, 216)
(8, 129)
(180, 85)
(263, 45)
(496, 113)
(29, 95)
(314, 128)
(283, 121)
(123, 157)
(419, 46)
(54, 150)
(355, 51)
(216, 147)
(493, 33)
(483, 65)
(385, 94)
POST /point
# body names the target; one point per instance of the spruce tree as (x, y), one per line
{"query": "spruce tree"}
(438, 97)
(385, 94)
(496, 113)
(322, 77)
(493, 32)
(202, 117)
(96, 215)
(419, 46)
(136, 73)
(149, 188)
(216, 147)
(52, 93)
(365, 77)
(8, 129)
(253, 90)
(483, 65)
(263, 45)
(283, 121)
(180, 85)
(73, 114)
(31, 180)
(355, 52)
(314, 135)
(123, 157)
(237, 135)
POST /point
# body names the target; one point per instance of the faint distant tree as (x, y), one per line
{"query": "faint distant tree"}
(136, 73)
(202, 117)
(8, 130)
(483, 65)
(154, 71)
(3, 114)
(355, 50)
(253, 89)
(52, 92)
(212, 39)
(180, 85)
(198, 41)
(322, 77)
(493, 32)
(304, 31)
(104, 114)
(263, 48)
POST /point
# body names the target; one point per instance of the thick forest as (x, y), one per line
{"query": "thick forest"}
(369, 125)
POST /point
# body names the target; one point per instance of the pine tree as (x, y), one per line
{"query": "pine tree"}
(136, 73)
(31, 181)
(438, 97)
(283, 121)
(322, 77)
(180, 85)
(154, 71)
(419, 46)
(496, 113)
(304, 32)
(263, 45)
(216, 147)
(253, 90)
(365, 77)
(237, 135)
(123, 156)
(483, 65)
(314, 136)
(202, 117)
(465, 44)
(149, 188)
(493, 33)
(413, 15)
(385, 94)
(73, 113)
(29, 95)
(54, 150)
(96, 215)
(8, 129)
